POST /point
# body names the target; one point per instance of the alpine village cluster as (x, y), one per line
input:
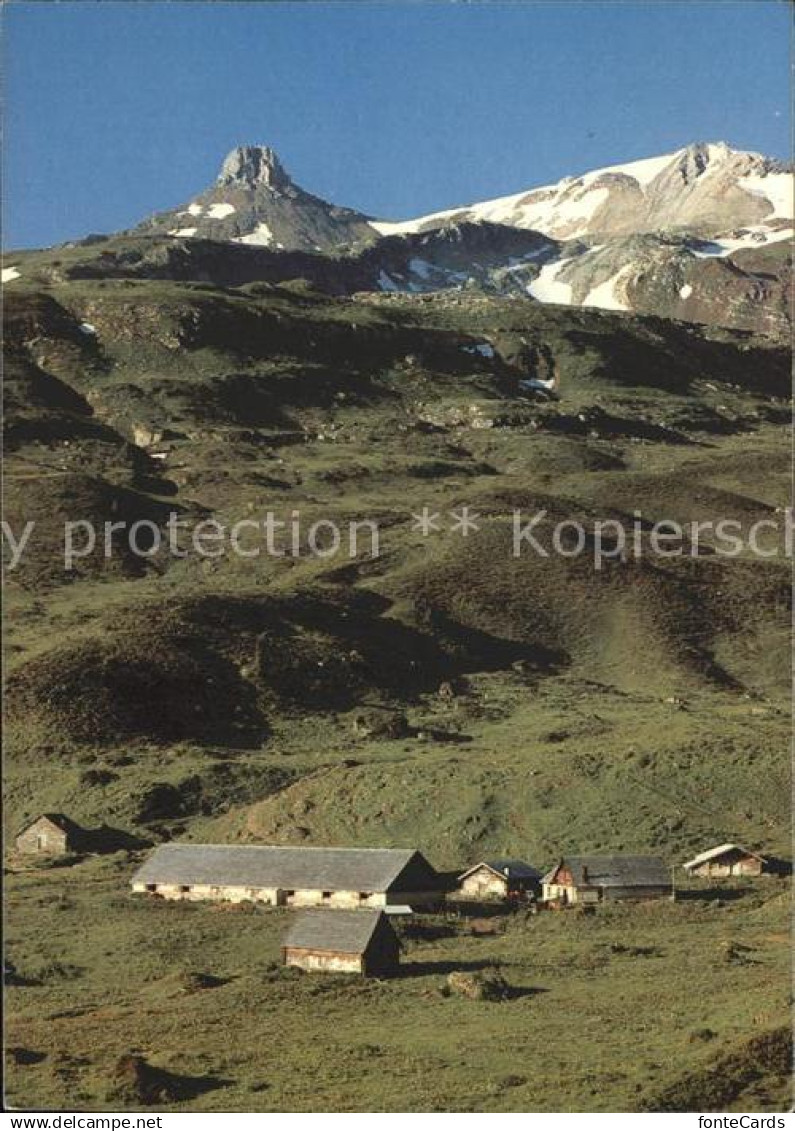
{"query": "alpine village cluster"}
(348, 897)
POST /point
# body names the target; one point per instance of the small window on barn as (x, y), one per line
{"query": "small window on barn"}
(364, 895)
(326, 895)
(184, 887)
(151, 887)
(289, 894)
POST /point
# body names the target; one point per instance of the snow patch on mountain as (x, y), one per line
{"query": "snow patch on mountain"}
(774, 187)
(262, 236)
(538, 383)
(608, 295)
(385, 283)
(220, 211)
(643, 171)
(420, 267)
(546, 288)
(655, 193)
(566, 208)
(485, 349)
(757, 236)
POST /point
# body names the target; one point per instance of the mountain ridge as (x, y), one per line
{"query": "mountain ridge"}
(703, 235)
(688, 165)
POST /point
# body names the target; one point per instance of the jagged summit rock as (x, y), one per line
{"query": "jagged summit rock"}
(253, 165)
(255, 201)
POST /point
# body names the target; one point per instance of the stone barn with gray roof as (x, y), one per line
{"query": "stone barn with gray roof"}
(357, 942)
(51, 834)
(591, 879)
(287, 876)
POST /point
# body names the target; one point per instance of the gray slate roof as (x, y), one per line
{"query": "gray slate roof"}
(269, 866)
(516, 869)
(722, 850)
(348, 932)
(618, 871)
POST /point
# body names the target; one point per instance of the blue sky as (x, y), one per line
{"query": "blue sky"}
(115, 110)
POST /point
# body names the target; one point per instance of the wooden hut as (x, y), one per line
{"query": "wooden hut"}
(50, 834)
(356, 942)
(499, 879)
(727, 860)
(591, 879)
(287, 876)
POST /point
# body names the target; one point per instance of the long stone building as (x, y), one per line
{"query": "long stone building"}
(291, 877)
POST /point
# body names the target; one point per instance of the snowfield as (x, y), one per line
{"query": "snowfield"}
(778, 188)
(566, 208)
(485, 349)
(262, 236)
(608, 295)
(644, 171)
(546, 288)
(387, 284)
(758, 236)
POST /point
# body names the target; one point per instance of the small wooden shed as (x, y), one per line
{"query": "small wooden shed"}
(499, 879)
(727, 860)
(356, 942)
(50, 834)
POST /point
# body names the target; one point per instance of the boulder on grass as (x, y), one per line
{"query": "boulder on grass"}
(479, 985)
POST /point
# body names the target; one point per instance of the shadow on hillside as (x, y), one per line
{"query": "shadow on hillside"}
(708, 895)
(105, 840)
(135, 1081)
(422, 969)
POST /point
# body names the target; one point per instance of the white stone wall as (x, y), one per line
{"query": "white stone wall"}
(559, 892)
(484, 883)
(42, 836)
(318, 960)
(280, 897)
(347, 899)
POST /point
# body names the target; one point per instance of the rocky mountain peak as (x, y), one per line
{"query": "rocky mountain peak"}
(700, 156)
(253, 166)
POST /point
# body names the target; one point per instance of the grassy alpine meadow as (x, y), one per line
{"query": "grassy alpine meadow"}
(441, 692)
(632, 1006)
(397, 586)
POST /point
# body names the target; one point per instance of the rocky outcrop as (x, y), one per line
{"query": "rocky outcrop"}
(254, 165)
(255, 202)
